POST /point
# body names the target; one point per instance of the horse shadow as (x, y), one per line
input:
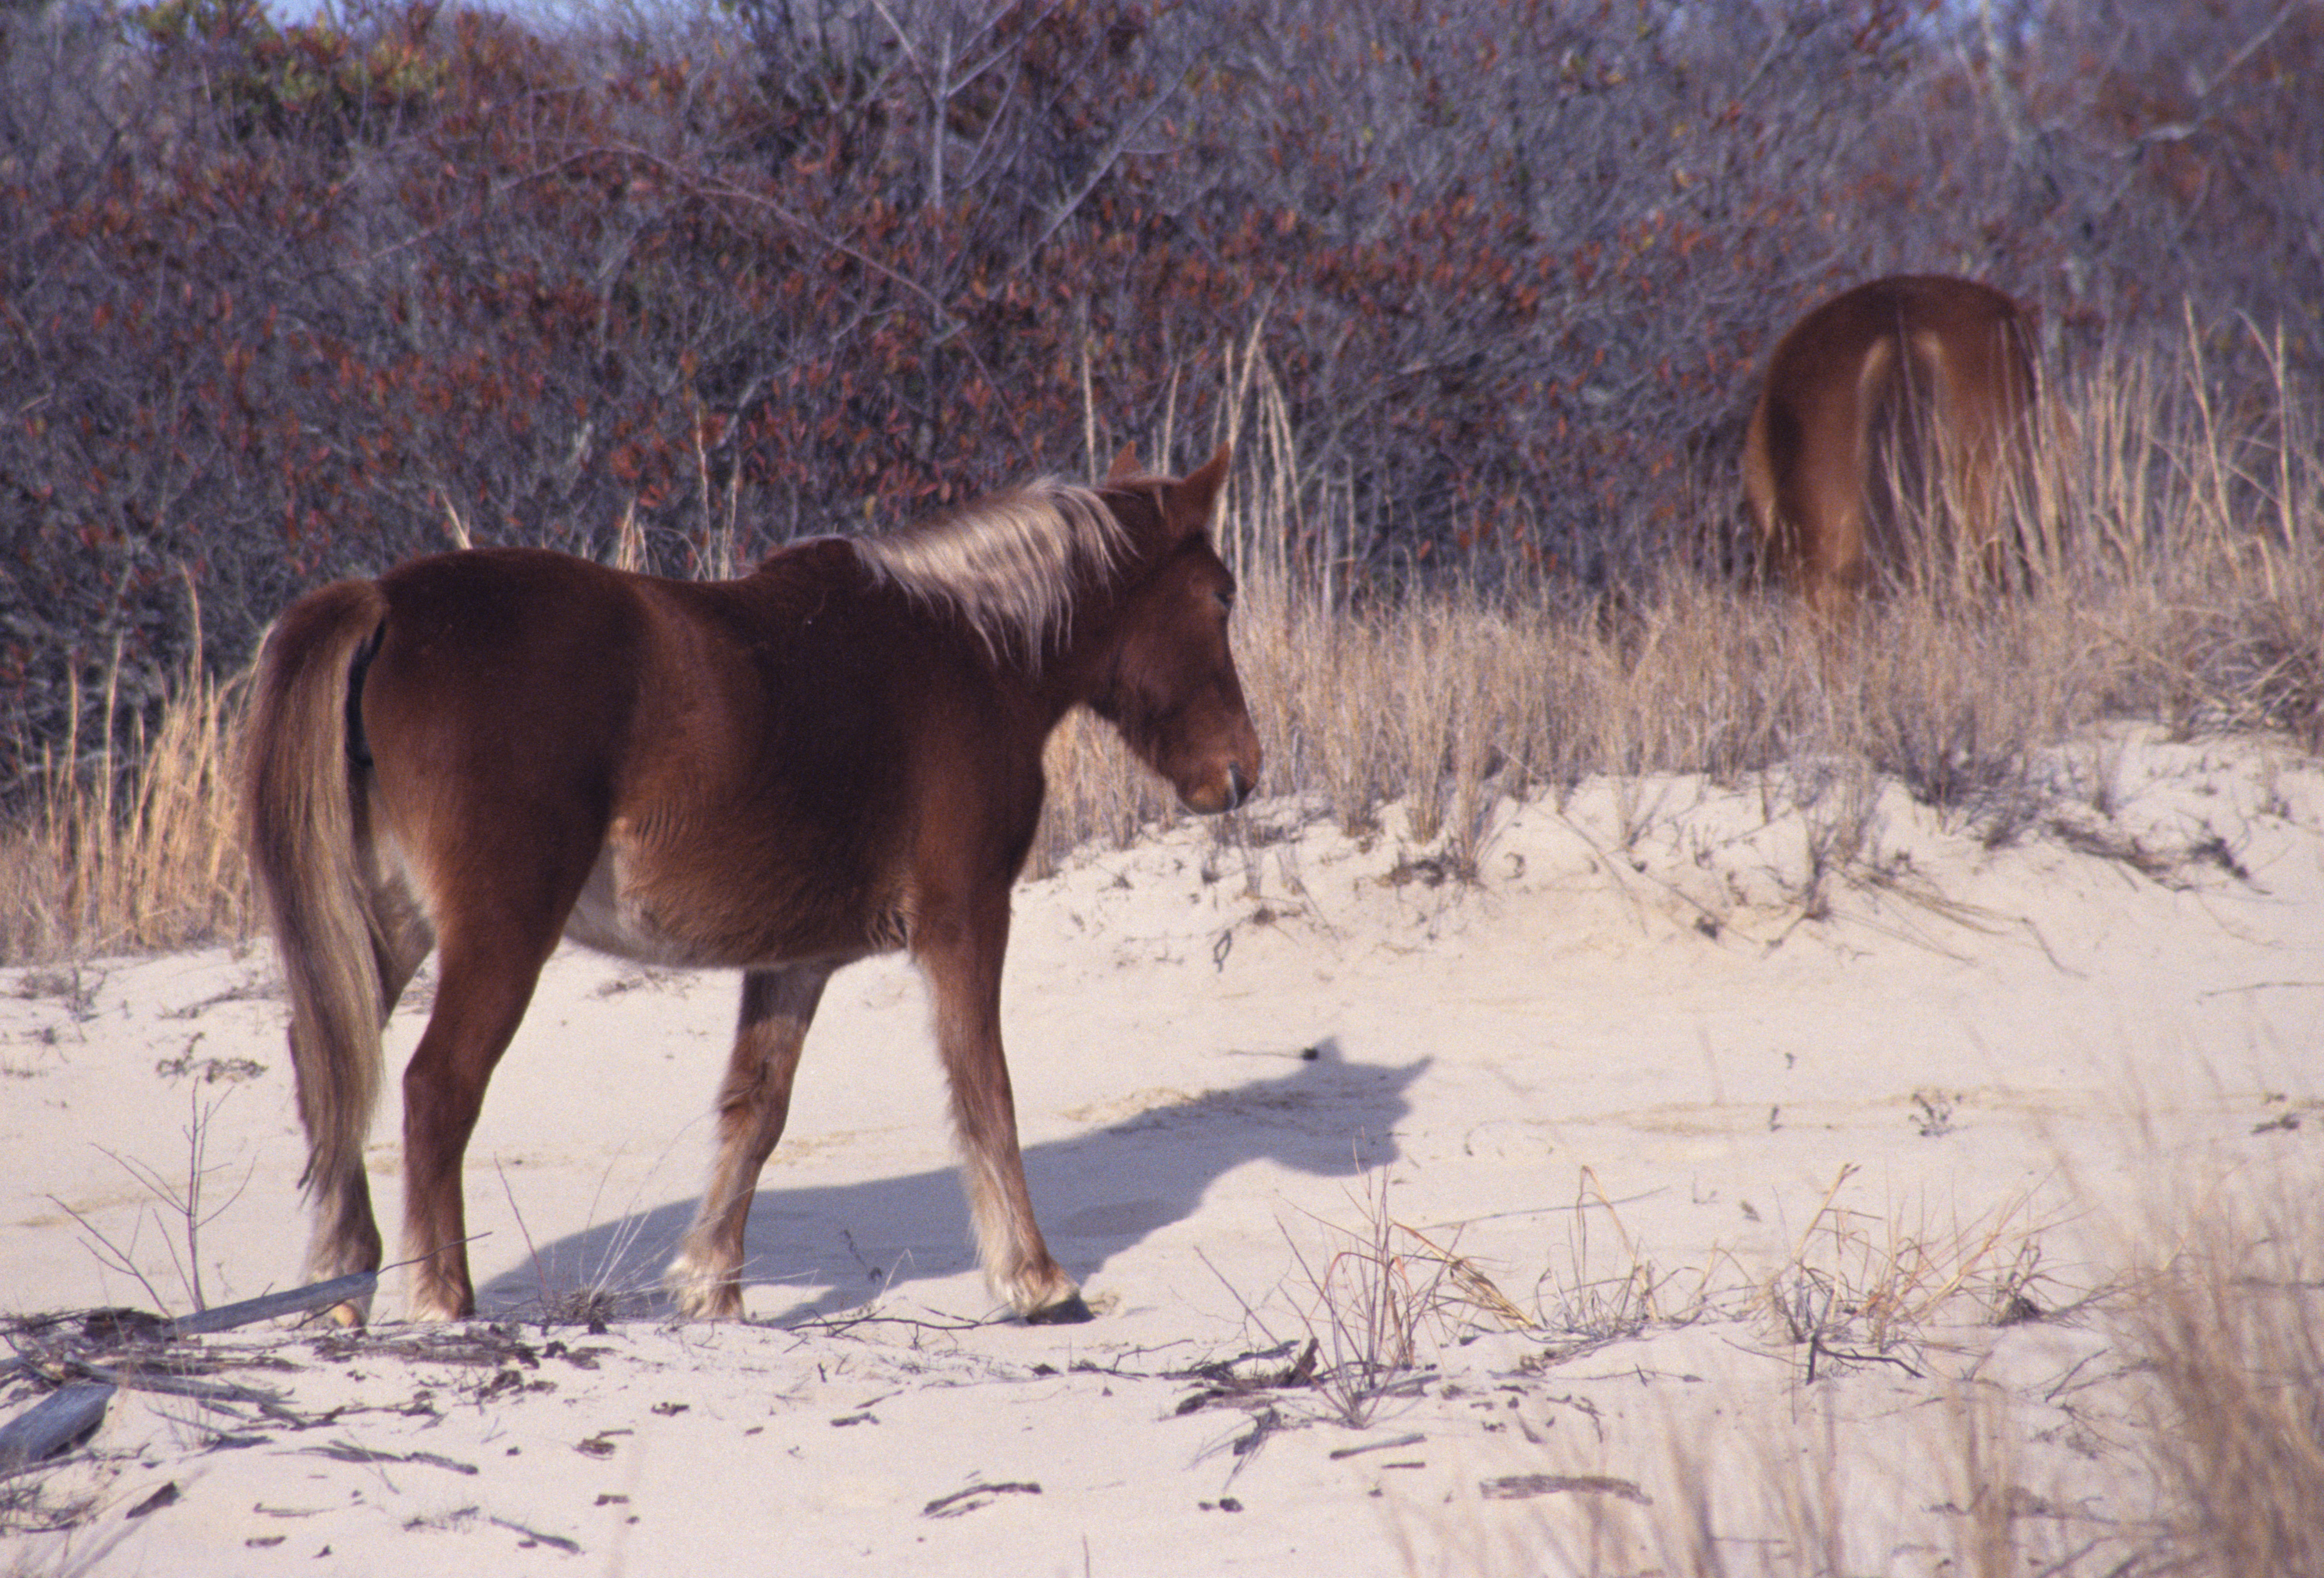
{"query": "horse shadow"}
(1097, 1194)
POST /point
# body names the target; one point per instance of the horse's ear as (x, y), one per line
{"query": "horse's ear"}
(1189, 501)
(1125, 465)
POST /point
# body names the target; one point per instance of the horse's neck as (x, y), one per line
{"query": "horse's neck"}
(1075, 671)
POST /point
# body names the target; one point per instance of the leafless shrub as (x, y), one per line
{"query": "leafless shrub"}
(178, 1211)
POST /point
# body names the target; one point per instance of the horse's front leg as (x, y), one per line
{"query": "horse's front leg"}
(960, 956)
(777, 1005)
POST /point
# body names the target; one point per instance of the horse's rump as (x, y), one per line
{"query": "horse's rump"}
(1894, 405)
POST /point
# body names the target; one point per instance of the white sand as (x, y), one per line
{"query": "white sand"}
(1653, 1053)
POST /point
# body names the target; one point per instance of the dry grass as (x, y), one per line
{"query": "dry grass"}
(2220, 1350)
(1805, 1481)
(130, 847)
(2207, 1397)
(2178, 551)
(1857, 1285)
(2230, 1328)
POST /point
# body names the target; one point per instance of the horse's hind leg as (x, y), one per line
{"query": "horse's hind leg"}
(962, 960)
(777, 1005)
(479, 1000)
(401, 938)
(347, 1233)
(344, 1239)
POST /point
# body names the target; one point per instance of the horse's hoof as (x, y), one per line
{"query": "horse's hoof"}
(1067, 1312)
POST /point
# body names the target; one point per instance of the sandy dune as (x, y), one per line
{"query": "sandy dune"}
(1686, 1074)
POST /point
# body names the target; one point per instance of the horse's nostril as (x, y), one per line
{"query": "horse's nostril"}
(1238, 788)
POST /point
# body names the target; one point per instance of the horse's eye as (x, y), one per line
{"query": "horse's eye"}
(1225, 594)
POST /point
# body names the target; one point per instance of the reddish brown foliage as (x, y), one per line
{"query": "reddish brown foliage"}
(288, 302)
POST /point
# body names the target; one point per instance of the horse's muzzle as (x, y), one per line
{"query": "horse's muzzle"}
(1218, 794)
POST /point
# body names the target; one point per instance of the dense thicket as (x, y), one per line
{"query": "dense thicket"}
(283, 302)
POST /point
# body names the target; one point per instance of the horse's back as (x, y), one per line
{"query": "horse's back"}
(691, 774)
(494, 658)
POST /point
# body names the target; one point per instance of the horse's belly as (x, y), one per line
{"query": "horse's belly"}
(701, 920)
(606, 919)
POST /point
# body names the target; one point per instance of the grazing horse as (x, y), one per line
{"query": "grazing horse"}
(1930, 376)
(835, 755)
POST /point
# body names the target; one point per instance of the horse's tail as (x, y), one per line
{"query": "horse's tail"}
(305, 774)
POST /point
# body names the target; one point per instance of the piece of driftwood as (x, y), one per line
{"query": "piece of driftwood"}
(67, 1414)
(70, 1413)
(132, 1379)
(272, 1307)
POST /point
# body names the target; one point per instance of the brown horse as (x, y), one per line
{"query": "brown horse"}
(1923, 378)
(835, 755)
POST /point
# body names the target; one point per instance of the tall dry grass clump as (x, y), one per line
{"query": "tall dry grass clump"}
(130, 844)
(2230, 1330)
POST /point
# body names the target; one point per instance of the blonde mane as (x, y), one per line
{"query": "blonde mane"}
(1005, 565)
